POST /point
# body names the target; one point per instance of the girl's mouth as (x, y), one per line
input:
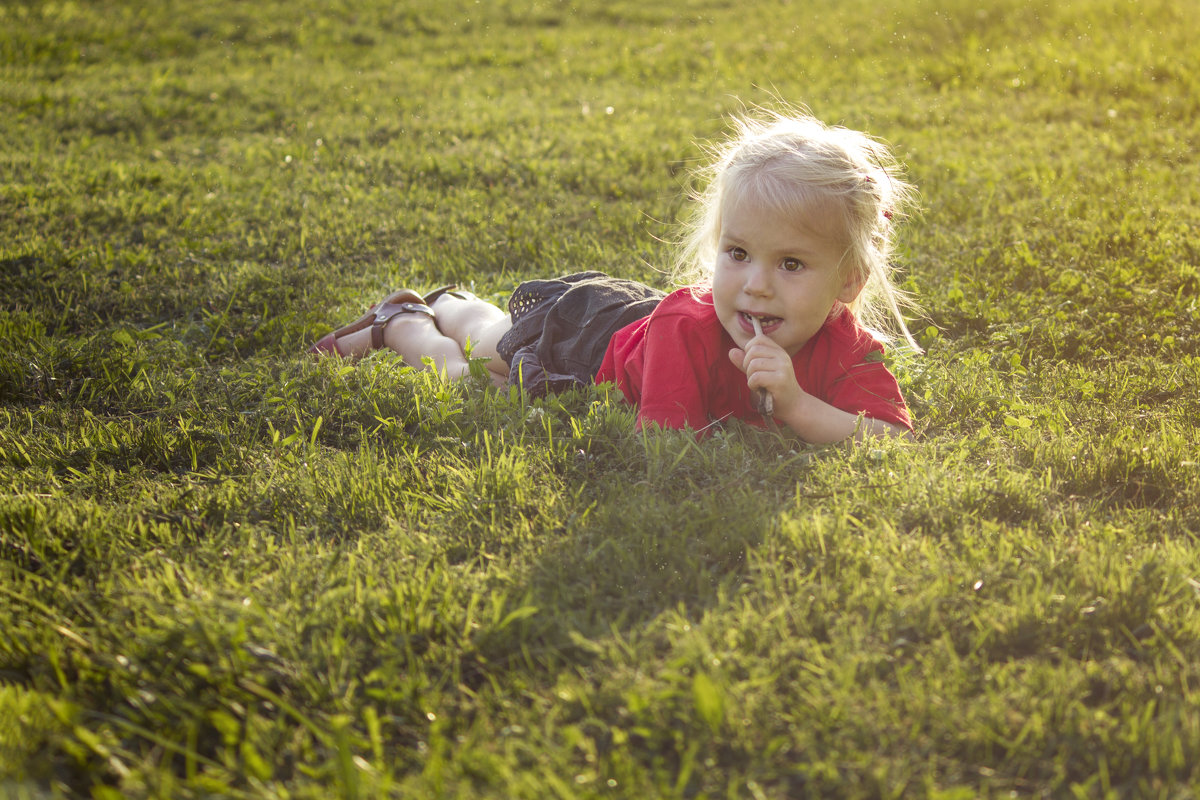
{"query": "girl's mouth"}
(767, 322)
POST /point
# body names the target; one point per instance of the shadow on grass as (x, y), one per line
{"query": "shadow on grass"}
(611, 533)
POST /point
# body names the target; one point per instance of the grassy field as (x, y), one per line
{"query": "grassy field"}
(229, 570)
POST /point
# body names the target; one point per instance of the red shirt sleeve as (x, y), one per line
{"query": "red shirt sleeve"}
(846, 369)
(661, 365)
(675, 375)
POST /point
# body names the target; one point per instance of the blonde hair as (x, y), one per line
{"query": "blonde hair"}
(795, 162)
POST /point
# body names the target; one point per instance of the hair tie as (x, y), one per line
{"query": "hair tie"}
(887, 213)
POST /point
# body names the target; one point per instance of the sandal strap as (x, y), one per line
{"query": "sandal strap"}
(441, 290)
(384, 314)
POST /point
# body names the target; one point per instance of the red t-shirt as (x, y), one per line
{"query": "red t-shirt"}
(674, 366)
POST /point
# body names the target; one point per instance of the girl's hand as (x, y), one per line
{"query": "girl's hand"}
(768, 366)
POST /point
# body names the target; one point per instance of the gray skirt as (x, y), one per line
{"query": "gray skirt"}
(562, 326)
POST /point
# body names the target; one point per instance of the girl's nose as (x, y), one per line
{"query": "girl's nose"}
(758, 282)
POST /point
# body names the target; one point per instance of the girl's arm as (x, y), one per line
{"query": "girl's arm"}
(818, 422)
(768, 366)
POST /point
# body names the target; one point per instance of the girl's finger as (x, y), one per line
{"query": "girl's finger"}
(738, 356)
(766, 404)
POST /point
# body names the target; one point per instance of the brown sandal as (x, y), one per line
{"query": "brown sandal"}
(405, 301)
(447, 289)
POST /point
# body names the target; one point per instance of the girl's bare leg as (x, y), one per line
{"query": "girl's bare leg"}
(461, 322)
(414, 337)
(476, 323)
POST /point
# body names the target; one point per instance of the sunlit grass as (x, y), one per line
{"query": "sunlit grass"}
(229, 570)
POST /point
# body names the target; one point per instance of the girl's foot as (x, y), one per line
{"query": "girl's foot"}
(366, 332)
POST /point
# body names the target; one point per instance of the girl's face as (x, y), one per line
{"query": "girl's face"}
(786, 272)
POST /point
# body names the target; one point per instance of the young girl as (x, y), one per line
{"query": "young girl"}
(786, 263)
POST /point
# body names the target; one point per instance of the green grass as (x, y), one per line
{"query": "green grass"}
(229, 570)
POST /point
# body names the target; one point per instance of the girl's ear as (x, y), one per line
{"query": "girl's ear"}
(854, 284)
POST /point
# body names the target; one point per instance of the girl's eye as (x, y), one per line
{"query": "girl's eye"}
(738, 254)
(793, 264)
